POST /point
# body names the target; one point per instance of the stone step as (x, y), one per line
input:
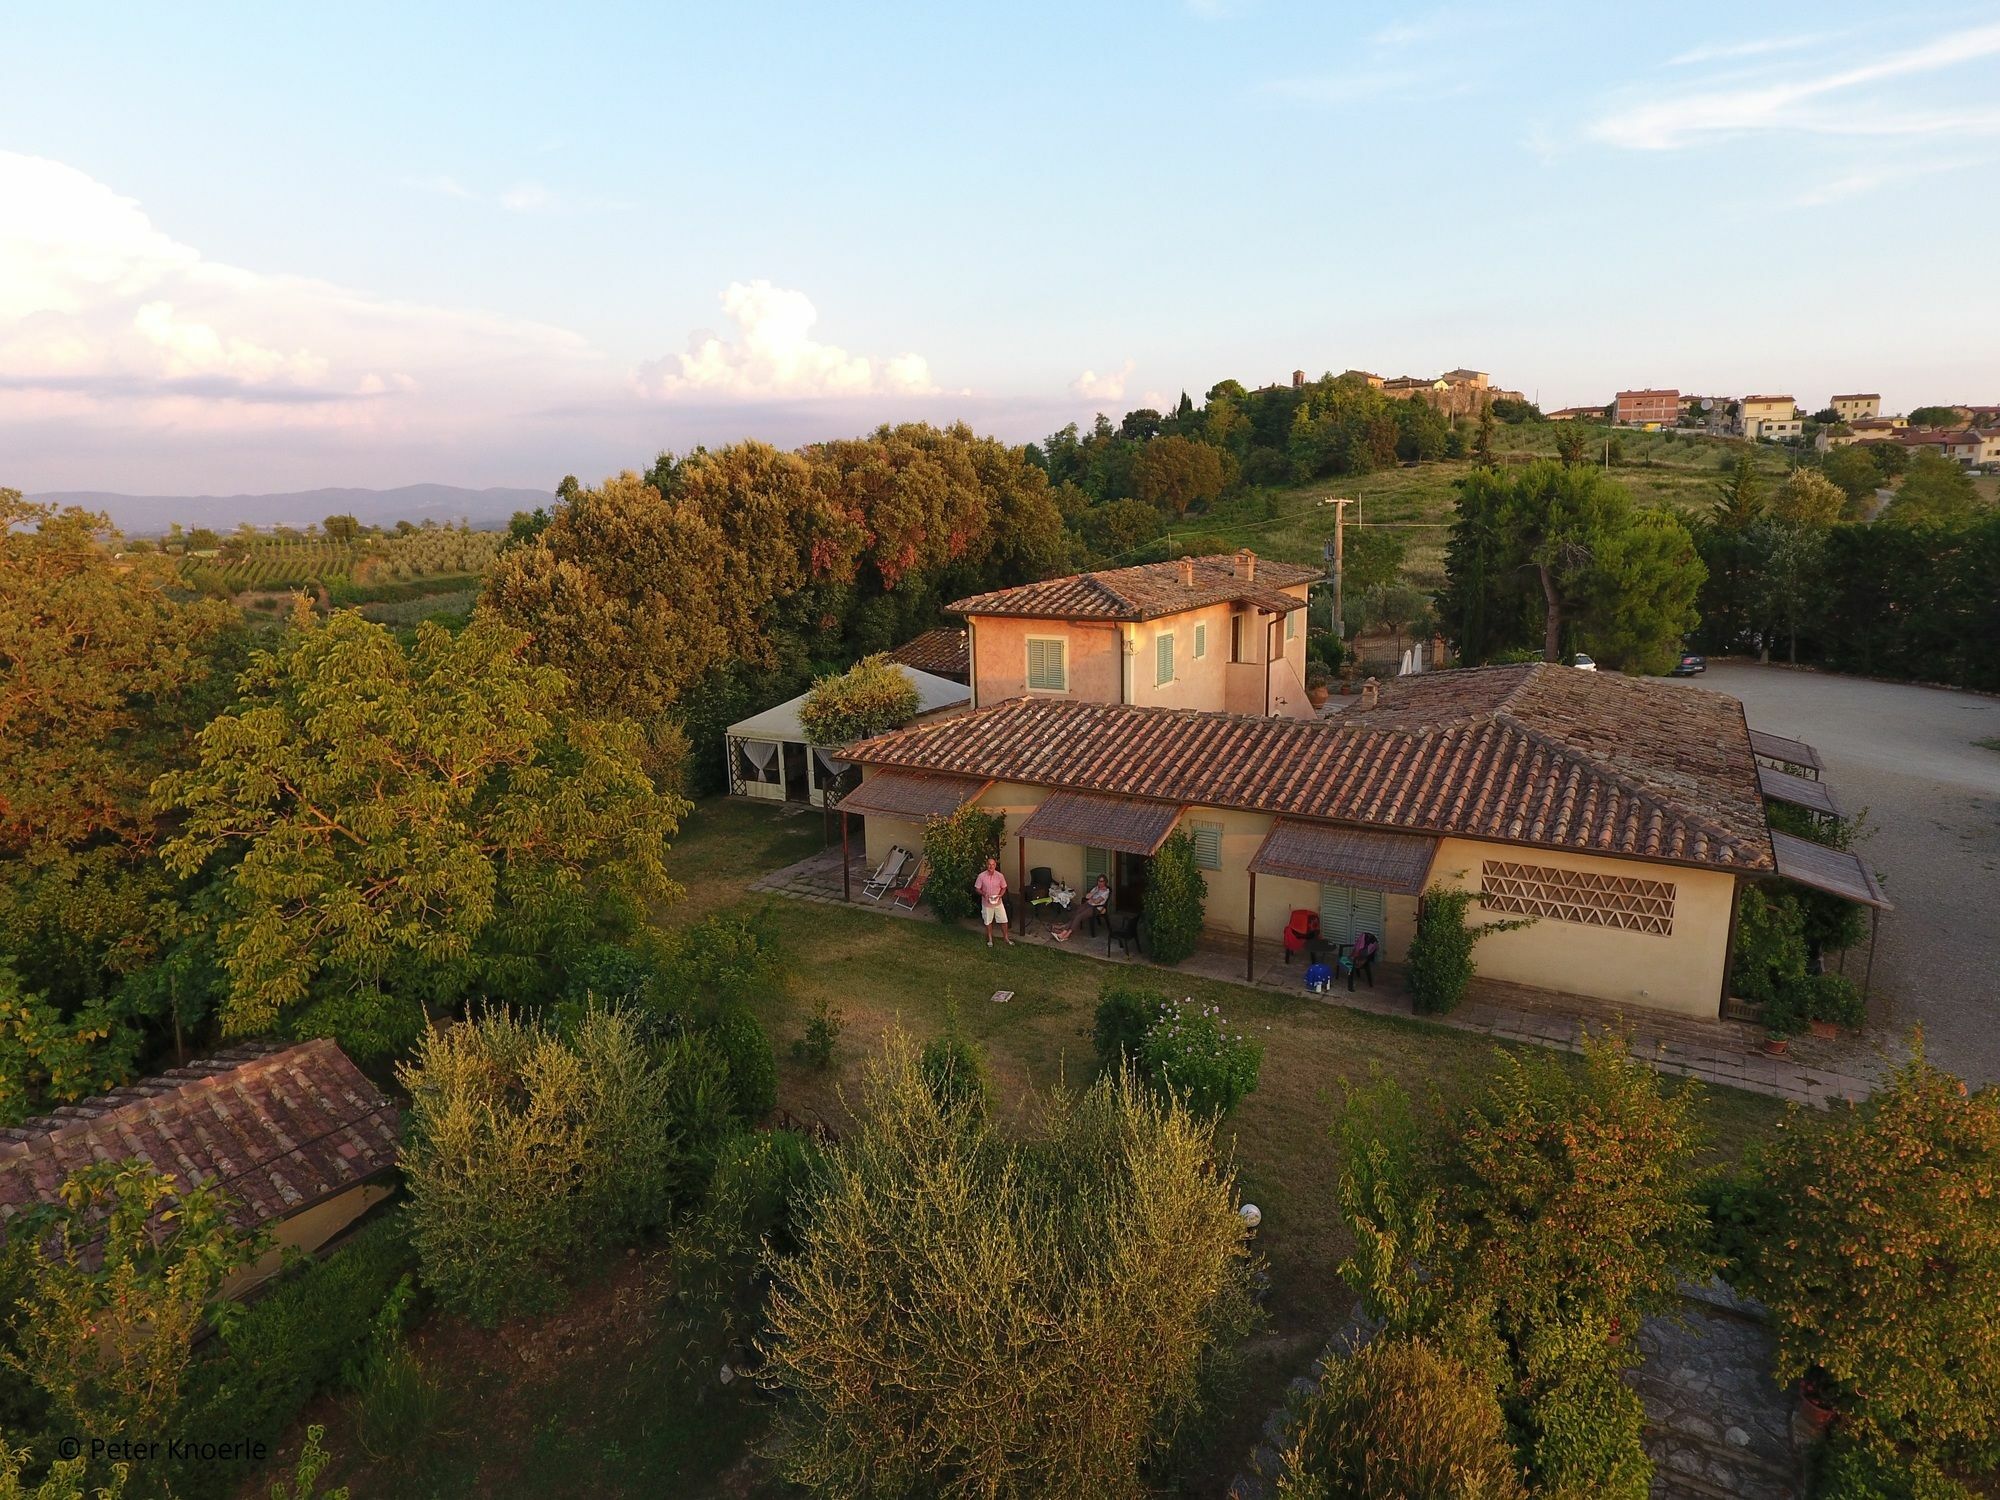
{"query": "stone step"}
(1689, 1468)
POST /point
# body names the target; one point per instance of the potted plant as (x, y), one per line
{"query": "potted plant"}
(1317, 691)
(1816, 1399)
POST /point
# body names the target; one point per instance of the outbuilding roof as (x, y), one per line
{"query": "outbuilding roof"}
(1528, 753)
(278, 1127)
(781, 721)
(1145, 592)
(943, 651)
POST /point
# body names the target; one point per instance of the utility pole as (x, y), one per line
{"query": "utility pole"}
(1335, 552)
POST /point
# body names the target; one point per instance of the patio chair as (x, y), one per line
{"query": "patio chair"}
(911, 894)
(1361, 959)
(1041, 880)
(1300, 932)
(886, 875)
(1125, 928)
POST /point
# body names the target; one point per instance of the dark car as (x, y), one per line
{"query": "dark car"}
(1689, 664)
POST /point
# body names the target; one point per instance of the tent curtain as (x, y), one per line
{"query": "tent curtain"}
(762, 756)
(833, 765)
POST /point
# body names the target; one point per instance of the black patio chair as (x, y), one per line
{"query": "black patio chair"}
(1124, 926)
(1361, 961)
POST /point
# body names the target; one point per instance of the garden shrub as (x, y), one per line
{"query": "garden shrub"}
(1124, 1011)
(1399, 1421)
(1439, 964)
(65, 1480)
(1176, 897)
(872, 695)
(1528, 1233)
(717, 962)
(1046, 1302)
(954, 1069)
(1190, 1052)
(822, 1035)
(1834, 997)
(1882, 1265)
(526, 1148)
(957, 848)
(608, 974)
(305, 1332)
(1770, 959)
(115, 1282)
(746, 1051)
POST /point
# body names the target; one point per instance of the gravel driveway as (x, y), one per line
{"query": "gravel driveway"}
(1910, 756)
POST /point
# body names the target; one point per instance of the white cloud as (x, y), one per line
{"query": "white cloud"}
(1110, 386)
(1865, 180)
(1807, 104)
(526, 197)
(105, 317)
(773, 354)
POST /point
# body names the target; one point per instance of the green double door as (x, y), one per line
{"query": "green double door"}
(1345, 911)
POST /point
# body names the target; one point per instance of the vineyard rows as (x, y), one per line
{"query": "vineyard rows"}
(279, 564)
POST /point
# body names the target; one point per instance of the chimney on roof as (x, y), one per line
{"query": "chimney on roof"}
(1371, 694)
(1298, 379)
(1246, 565)
(1187, 572)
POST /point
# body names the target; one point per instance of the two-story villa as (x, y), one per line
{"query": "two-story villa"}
(1111, 709)
(1224, 634)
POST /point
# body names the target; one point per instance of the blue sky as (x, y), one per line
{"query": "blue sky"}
(255, 247)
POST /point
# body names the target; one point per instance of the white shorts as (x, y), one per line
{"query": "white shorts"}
(994, 913)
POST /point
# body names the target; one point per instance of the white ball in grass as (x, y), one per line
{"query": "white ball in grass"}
(1252, 1215)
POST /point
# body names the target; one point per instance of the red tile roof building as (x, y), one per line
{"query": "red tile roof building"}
(1531, 754)
(1145, 592)
(1636, 408)
(283, 1129)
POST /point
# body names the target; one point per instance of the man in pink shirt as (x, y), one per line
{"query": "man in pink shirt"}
(992, 888)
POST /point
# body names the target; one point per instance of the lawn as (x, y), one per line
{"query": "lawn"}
(592, 1401)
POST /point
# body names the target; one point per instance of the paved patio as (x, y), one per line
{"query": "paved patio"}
(1718, 1051)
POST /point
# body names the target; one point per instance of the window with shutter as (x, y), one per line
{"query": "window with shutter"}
(1291, 624)
(1096, 862)
(1207, 844)
(1163, 665)
(1048, 671)
(1200, 642)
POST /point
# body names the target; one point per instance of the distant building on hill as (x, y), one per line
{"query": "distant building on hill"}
(1657, 408)
(1771, 418)
(1578, 414)
(1861, 408)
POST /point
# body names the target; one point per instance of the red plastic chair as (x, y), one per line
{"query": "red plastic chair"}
(1301, 930)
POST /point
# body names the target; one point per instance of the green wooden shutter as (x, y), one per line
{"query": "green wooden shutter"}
(1346, 911)
(1200, 642)
(1291, 624)
(1096, 862)
(1163, 666)
(1046, 666)
(1207, 844)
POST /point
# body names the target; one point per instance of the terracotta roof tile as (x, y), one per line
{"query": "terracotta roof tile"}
(1537, 754)
(278, 1127)
(942, 652)
(1145, 592)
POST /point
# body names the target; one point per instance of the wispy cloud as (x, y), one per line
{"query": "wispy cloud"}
(1865, 180)
(1843, 102)
(1407, 59)
(1730, 51)
(525, 197)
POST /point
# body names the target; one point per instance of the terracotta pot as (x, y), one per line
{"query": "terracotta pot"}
(1825, 1028)
(1317, 695)
(1777, 1046)
(1813, 1403)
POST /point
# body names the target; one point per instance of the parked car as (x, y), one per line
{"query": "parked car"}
(1583, 663)
(1689, 664)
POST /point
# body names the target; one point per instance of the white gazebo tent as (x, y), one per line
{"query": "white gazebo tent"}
(770, 759)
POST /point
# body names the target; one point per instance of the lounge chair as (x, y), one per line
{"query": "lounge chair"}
(886, 876)
(1301, 932)
(911, 894)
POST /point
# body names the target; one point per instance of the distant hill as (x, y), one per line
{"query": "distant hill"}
(149, 515)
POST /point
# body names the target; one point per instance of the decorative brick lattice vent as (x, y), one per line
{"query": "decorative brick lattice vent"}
(1578, 896)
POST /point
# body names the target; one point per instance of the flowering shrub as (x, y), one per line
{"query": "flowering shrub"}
(872, 695)
(1189, 1051)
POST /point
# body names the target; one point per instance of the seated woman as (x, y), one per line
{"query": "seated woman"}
(1096, 901)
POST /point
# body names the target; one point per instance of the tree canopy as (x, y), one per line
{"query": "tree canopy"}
(390, 826)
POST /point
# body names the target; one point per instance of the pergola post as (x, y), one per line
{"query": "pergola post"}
(1874, 931)
(1021, 864)
(846, 872)
(1250, 934)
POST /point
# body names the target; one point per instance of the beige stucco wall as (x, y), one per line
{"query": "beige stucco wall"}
(1118, 663)
(1000, 659)
(306, 1231)
(1680, 972)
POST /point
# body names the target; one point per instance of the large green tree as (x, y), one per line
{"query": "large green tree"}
(1175, 473)
(1934, 488)
(1620, 579)
(389, 827)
